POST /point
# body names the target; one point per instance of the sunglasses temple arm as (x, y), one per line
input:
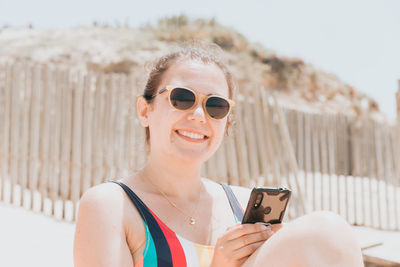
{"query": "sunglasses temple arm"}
(159, 92)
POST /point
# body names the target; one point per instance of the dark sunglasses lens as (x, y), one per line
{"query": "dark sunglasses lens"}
(217, 107)
(182, 98)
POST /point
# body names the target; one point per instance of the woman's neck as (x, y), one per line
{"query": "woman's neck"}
(176, 179)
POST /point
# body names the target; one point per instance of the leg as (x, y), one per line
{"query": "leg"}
(317, 239)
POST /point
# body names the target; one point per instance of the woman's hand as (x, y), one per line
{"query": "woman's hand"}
(239, 242)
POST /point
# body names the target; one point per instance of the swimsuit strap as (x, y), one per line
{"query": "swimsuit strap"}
(162, 252)
(235, 205)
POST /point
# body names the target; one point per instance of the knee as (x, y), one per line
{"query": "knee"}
(328, 237)
(327, 221)
(327, 228)
(316, 239)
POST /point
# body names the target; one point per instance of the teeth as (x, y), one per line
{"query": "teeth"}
(192, 135)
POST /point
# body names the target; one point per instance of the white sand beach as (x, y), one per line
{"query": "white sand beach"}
(32, 239)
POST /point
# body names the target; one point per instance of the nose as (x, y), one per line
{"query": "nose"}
(198, 114)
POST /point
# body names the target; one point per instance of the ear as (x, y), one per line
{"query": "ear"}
(229, 124)
(143, 108)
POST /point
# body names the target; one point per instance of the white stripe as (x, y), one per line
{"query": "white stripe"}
(190, 252)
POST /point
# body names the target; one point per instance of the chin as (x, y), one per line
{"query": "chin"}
(192, 156)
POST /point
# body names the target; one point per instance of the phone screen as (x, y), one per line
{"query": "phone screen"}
(266, 205)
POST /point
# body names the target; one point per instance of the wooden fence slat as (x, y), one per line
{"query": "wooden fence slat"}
(4, 102)
(244, 171)
(5, 129)
(307, 155)
(108, 160)
(379, 160)
(331, 159)
(395, 145)
(131, 124)
(316, 162)
(346, 168)
(24, 137)
(56, 137)
(364, 150)
(370, 150)
(98, 131)
(34, 133)
(355, 136)
(220, 160)
(14, 131)
(124, 148)
(119, 121)
(54, 141)
(269, 134)
(251, 135)
(232, 160)
(260, 133)
(89, 122)
(364, 186)
(68, 85)
(388, 173)
(44, 137)
(300, 140)
(324, 159)
(76, 155)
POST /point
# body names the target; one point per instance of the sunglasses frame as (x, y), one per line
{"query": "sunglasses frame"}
(170, 88)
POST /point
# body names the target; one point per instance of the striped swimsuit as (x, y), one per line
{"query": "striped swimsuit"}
(166, 248)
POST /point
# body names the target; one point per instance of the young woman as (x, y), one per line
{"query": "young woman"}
(168, 215)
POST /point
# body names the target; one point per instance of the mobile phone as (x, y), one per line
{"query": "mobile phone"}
(267, 205)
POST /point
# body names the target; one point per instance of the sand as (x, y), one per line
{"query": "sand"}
(31, 239)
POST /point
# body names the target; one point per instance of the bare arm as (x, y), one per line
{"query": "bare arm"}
(100, 235)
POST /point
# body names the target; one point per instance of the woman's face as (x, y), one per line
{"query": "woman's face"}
(171, 130)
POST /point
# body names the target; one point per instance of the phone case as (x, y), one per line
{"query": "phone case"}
(267, 204)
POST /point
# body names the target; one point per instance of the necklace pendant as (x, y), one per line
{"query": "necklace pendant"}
(192, 221)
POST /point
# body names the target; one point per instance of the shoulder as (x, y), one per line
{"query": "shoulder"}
(100, 223)
(101, 197)
(241, 193)
(99, 207)
(109, 204)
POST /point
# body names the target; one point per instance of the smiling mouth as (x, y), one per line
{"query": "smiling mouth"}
(191, 136)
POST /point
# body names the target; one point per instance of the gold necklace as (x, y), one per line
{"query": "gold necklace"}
(192, 220)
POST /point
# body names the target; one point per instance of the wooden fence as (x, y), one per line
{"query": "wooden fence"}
(63, 131)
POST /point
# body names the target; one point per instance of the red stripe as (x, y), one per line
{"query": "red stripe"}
(177, 253)
(139, 263)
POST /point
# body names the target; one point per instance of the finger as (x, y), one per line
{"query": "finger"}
(276, 227)
(252, 238)
(233, 226)
(246, 251)
(245, 240)
(242, 260)
(243, 229)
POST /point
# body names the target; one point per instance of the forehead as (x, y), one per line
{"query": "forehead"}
(205, 78)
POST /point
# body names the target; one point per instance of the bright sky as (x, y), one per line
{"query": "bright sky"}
(358, 40)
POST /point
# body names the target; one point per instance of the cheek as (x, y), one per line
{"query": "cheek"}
(219, 132)
(161, 122)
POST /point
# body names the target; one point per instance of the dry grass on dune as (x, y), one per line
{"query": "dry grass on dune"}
(124, 50)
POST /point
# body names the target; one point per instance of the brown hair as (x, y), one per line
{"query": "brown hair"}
(192, 52)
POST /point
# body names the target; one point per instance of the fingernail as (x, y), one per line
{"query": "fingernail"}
(263, 223)
(269, 230)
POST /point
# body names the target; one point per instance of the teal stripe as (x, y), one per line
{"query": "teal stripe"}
(149, 253)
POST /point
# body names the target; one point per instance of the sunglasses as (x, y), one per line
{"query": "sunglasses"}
(185, 99)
